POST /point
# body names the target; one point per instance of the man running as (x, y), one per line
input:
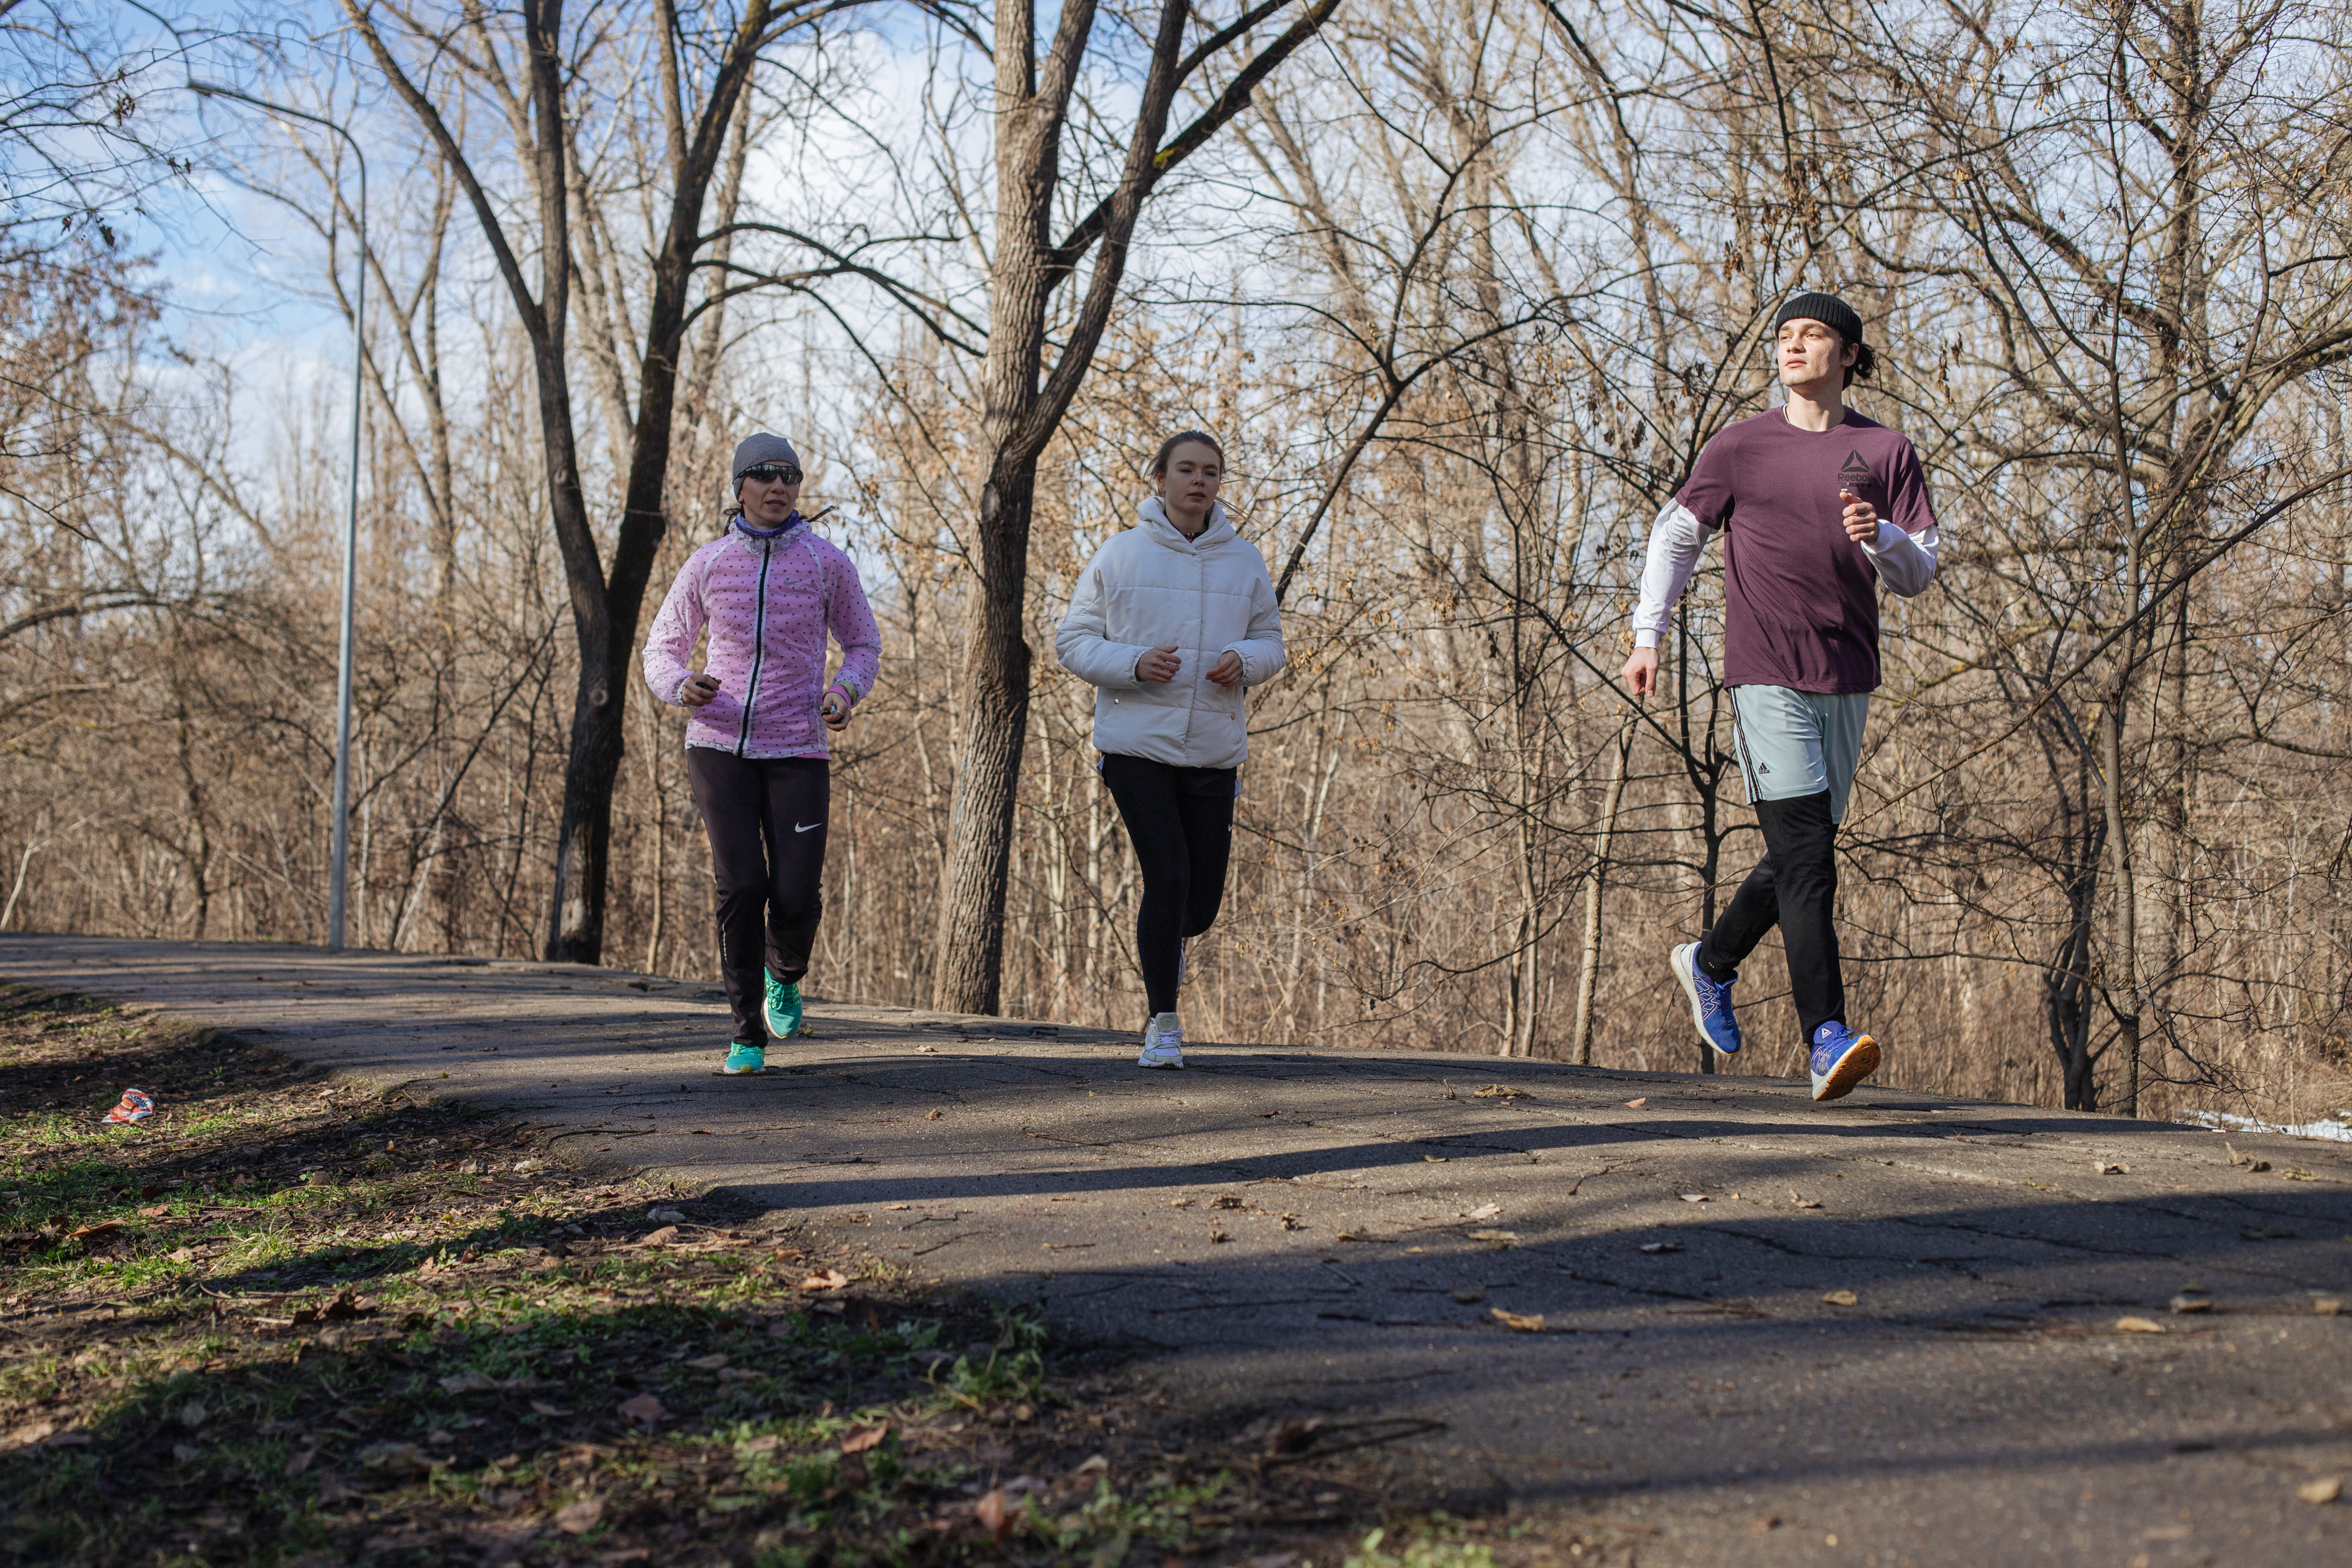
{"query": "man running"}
(1819, 504)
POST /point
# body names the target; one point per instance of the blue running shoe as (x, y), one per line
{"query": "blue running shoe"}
(1711, 1000)
(746, 1059)
(1842, 1059)
(783, 1007)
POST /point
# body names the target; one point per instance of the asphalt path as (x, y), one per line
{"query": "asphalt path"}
(1888, 1329)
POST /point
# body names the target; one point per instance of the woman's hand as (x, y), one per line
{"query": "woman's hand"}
(1158, 665)
(699, 690)
(1228, 670)
(836, 709)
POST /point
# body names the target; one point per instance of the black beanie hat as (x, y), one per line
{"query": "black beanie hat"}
(1827, 309)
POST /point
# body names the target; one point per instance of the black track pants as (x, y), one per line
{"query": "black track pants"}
(766, 819)
(1794, 886)
(1180, 821)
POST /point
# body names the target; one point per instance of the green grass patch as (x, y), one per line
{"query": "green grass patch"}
(293, 1321)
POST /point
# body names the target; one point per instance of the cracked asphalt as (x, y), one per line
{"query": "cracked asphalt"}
(1886, 1331)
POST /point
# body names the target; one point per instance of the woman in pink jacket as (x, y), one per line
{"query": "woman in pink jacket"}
(767, 591)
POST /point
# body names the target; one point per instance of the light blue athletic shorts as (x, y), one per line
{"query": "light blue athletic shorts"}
(1792, 744)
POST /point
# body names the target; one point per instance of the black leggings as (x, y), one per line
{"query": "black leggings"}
(1180, 821)
(766, 819)
(1794, 886)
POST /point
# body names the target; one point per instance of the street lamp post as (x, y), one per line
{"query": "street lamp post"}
(339, 870)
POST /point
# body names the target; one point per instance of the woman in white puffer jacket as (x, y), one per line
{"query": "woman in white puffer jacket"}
(1169, 622)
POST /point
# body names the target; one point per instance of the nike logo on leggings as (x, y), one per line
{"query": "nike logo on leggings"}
(806, 826)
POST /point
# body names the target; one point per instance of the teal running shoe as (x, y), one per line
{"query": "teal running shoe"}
(746, 1059)
(783, 1007)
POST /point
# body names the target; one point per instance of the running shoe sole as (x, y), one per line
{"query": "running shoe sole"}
(1854, 1066)
(1683, 959)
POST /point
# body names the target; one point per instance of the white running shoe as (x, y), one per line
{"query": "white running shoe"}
(1164, 1042)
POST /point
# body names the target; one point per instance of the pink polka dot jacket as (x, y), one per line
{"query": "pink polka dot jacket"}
(767, 604)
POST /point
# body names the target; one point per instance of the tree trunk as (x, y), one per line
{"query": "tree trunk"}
(1588, 975)
(971, 973)
(2127, 1008)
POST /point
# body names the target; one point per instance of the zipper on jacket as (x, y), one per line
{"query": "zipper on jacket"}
(759, 647)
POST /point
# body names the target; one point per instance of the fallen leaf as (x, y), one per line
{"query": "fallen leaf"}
(1801, 1201)
(334, 1489)
(1524, 1323)
(2267, 1233)
(2324, 1490)
(2104, 1167)
(1469, 1295)
(2139, 1325)
(1429, 1160)
(1662, 1245)
(2192, 1304)
(1502, 1091)
(544, 1409)
(703, 1133)
(825, 1280)
(1292, 1436)
(645, 1409)
(192, 1415)
(468, 1382)
(1220, 1236)
(707, 1362)
(1179, 1203)
(661, 1216)
(1225, 1200)
(1840, 1299)
(1485, 1211)
(28, 1434)
(1692, 1197)
(100, 1228)
(898, 1207)
(932, 1114)
(156, 1211)
(995, 1516)
(1496, 1238)
(392, 1458)
(299, 1461)
(2326, 1306)
(1637, 1104)
(580, 1518)
(859, 1440)
(662, 1238)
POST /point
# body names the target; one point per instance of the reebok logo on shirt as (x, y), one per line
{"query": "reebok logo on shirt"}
(1855, 472)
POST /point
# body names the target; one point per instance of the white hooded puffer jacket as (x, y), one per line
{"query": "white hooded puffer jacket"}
(1150, 588)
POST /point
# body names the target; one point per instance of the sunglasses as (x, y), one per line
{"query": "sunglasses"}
(769, 473)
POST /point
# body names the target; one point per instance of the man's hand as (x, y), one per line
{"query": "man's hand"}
(699, 690)
(1860, 518)
(1641, 671)
(836, 709)
(1160, 664)
(1228, 670)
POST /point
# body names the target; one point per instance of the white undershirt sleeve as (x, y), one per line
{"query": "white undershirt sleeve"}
(1677, 538)
(1905, 561)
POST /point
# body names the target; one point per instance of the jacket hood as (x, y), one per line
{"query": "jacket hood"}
(1153, 519)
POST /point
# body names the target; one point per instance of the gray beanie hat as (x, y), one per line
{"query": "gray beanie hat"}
(758, 449)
